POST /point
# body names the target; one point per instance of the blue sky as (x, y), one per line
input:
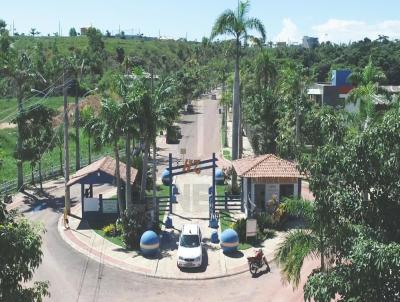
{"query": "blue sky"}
(285, 20)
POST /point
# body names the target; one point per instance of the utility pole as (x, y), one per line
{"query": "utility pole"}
(66, 150)
(77, 127)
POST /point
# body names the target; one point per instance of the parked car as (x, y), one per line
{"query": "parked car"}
(190, 248)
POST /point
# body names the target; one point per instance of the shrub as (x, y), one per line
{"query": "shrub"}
(133, 224)
(280, 216)
(111, 230)
(240, 227)
(265, 221)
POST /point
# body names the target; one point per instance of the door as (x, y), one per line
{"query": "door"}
(286, 190)
(259, 194)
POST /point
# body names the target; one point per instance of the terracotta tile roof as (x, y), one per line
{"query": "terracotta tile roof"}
(265, 166)
(107, 165)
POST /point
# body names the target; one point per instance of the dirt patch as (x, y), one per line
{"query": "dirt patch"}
(7, 125)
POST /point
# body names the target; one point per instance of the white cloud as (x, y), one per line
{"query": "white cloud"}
(337, 30)
(289, 32)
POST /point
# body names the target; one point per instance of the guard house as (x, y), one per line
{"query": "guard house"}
(99, 172)
(266, 177)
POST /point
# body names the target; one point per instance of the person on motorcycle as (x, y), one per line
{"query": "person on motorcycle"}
(260, 257)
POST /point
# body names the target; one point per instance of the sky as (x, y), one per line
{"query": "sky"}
(338, 21)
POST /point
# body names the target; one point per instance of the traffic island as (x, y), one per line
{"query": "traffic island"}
(216, 264)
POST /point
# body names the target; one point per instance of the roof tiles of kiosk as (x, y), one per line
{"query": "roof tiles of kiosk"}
(265, 166)
(107, 165)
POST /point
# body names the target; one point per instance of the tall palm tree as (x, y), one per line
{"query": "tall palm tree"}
(237, 24)
(112, 129)
(367, 82)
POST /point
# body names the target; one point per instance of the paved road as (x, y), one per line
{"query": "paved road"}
(75, 277)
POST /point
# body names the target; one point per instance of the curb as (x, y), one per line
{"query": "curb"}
(83, 248)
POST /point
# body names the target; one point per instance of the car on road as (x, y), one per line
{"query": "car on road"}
(190, 247)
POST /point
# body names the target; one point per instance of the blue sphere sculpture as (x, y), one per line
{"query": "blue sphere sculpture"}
(165, 177)
(219, 177)
(229, 241)
(149, 243)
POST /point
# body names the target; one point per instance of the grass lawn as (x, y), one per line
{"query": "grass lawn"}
(98, 228)
(226, 221)
(220, 190)
(227, 153)
(8, 140)
(8, 107)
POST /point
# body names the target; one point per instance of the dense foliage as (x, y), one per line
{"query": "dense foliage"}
(20, 249)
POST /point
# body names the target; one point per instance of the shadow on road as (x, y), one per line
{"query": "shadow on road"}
(236, 254)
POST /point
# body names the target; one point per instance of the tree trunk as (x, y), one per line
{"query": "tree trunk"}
(89, 151)
(128, 186)
(20, 175)
(240, 131)
(235, 107)
(144, 170)
(236, 112)
(77, 134)
(32, 176)
(155, 203)
(118, 179)
(40, 176)
(61, 159)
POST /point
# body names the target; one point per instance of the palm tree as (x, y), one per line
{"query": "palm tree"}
(301, 243)
(367, 82)
(112, 122)
(237, 24)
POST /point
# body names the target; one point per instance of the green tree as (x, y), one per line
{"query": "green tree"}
(20, 247)
(33, 32)
(72, 32)
(367, 82)
(112, 123)
(17, 67)
(237, 24)
(37, 134)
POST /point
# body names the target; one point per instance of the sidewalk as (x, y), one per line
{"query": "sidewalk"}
(215, 264)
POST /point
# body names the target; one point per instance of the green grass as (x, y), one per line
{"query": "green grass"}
(226, 221)
(227, 153)
(220, 190)
(162, 190)
(8, 140)
(8, 107)
(97, 226)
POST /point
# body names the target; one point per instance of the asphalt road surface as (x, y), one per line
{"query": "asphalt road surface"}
(76, 277)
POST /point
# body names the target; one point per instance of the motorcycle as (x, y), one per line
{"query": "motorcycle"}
(257, 262)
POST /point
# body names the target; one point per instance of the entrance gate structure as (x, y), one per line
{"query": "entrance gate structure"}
(196, 166)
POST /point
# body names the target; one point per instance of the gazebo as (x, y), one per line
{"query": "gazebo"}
(264, 178)
(99, 172)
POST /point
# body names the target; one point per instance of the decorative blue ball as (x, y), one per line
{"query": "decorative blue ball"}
(219, 177)
(229, 241)
(165, 177)
(214, 237)
(149, 243)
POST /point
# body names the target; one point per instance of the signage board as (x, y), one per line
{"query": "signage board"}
(251, 228)
(110, 206)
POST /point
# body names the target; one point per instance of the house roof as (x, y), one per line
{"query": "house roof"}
(265, 166)
(106, 165)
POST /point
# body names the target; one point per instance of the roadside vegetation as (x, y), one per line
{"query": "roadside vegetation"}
(350, 159)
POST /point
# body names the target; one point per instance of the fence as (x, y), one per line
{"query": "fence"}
(228, 202)
(49, 172)
(163, 203)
